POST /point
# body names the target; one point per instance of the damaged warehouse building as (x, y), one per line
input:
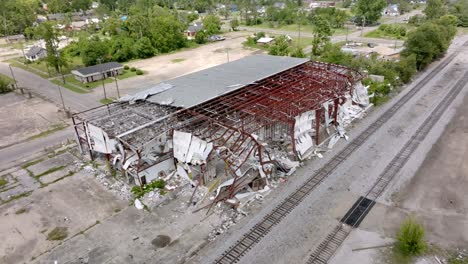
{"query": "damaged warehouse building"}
(232, 128)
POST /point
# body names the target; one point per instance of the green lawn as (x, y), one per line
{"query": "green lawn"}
(70, 87)
(6, 78)
(178, 60)
(40, 67)
(126, 74)
(25, 67)
(381, 34)
(107, 100)
(71, 79)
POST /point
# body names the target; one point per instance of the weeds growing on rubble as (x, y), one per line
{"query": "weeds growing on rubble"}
(157, 184)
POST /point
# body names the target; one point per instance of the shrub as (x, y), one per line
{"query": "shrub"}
(5, 86)
(126, 67)
(58, 233)
(133, 69)
(410, 238)
(139, 72)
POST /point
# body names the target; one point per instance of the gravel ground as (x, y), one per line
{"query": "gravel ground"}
(319, 212)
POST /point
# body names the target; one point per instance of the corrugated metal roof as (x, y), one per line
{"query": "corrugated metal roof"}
(195, 88)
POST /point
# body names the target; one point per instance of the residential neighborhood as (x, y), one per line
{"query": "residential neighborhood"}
(234, 131)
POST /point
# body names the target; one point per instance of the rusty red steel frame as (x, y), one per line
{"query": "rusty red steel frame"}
(230, 120)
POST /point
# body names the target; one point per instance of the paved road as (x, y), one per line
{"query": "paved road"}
(45, 89)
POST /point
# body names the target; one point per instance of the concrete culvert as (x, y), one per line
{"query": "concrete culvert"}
(161, 241)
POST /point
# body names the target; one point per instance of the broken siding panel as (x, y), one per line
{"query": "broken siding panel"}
(100, 141)
(181, 142)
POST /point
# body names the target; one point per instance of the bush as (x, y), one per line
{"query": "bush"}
(133, 69)
(410, 238)
(139, 72)
(58, 233)
(126, 67)
(5, 86)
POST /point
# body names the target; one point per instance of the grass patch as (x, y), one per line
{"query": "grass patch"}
(86, 86)
(69, 87)
(49, 171)
(21, 211)
(58, 233)
(16, 197)
(3, 182)
(126, 74)
(178, 60)
(6, 78)
(106, 100)
(55, 128)
(20, 65)
(30, 163)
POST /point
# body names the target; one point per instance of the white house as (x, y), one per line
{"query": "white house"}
(35, 53)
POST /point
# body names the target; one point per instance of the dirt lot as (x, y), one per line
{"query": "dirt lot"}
(22, 118)
(169, 66)
(436, 196)
(438, 192)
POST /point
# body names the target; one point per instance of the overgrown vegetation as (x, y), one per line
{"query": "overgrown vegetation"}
(157, 184)
(58, 233)
(388, 31)
(5, 84)
(410, 238)
(3, 182)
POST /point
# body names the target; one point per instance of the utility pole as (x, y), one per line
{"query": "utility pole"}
(117, 85)
(362, 26)
(13, 75)
(102, 75)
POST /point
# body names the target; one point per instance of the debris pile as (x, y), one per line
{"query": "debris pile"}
(229, 217)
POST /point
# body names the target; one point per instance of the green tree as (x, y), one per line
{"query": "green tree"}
(280, 47)
(94, 49)
(201, 37)
(144, 48)
(78, 5)
(430, 40)
(298, 52)
(406, 68)
(122, 48)
(234, 24)
(460, 10)
(166, 34)
(50, 35)
(16, 15)
(322, 32)
(212, 24)
(410, 238)
(369, 11)
(435, 9)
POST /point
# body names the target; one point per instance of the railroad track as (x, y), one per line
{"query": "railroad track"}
(259, 230)
(328, 247)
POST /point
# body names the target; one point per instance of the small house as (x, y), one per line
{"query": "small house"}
(392, 10)
(98, 72)
(35, 53)
(193, 29)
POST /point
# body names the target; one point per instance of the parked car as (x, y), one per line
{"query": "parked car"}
(216, 38)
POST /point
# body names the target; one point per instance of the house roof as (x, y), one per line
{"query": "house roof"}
(199, 87)
(91, 70)
(195, 27)
(34, 51)
(265, 40)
